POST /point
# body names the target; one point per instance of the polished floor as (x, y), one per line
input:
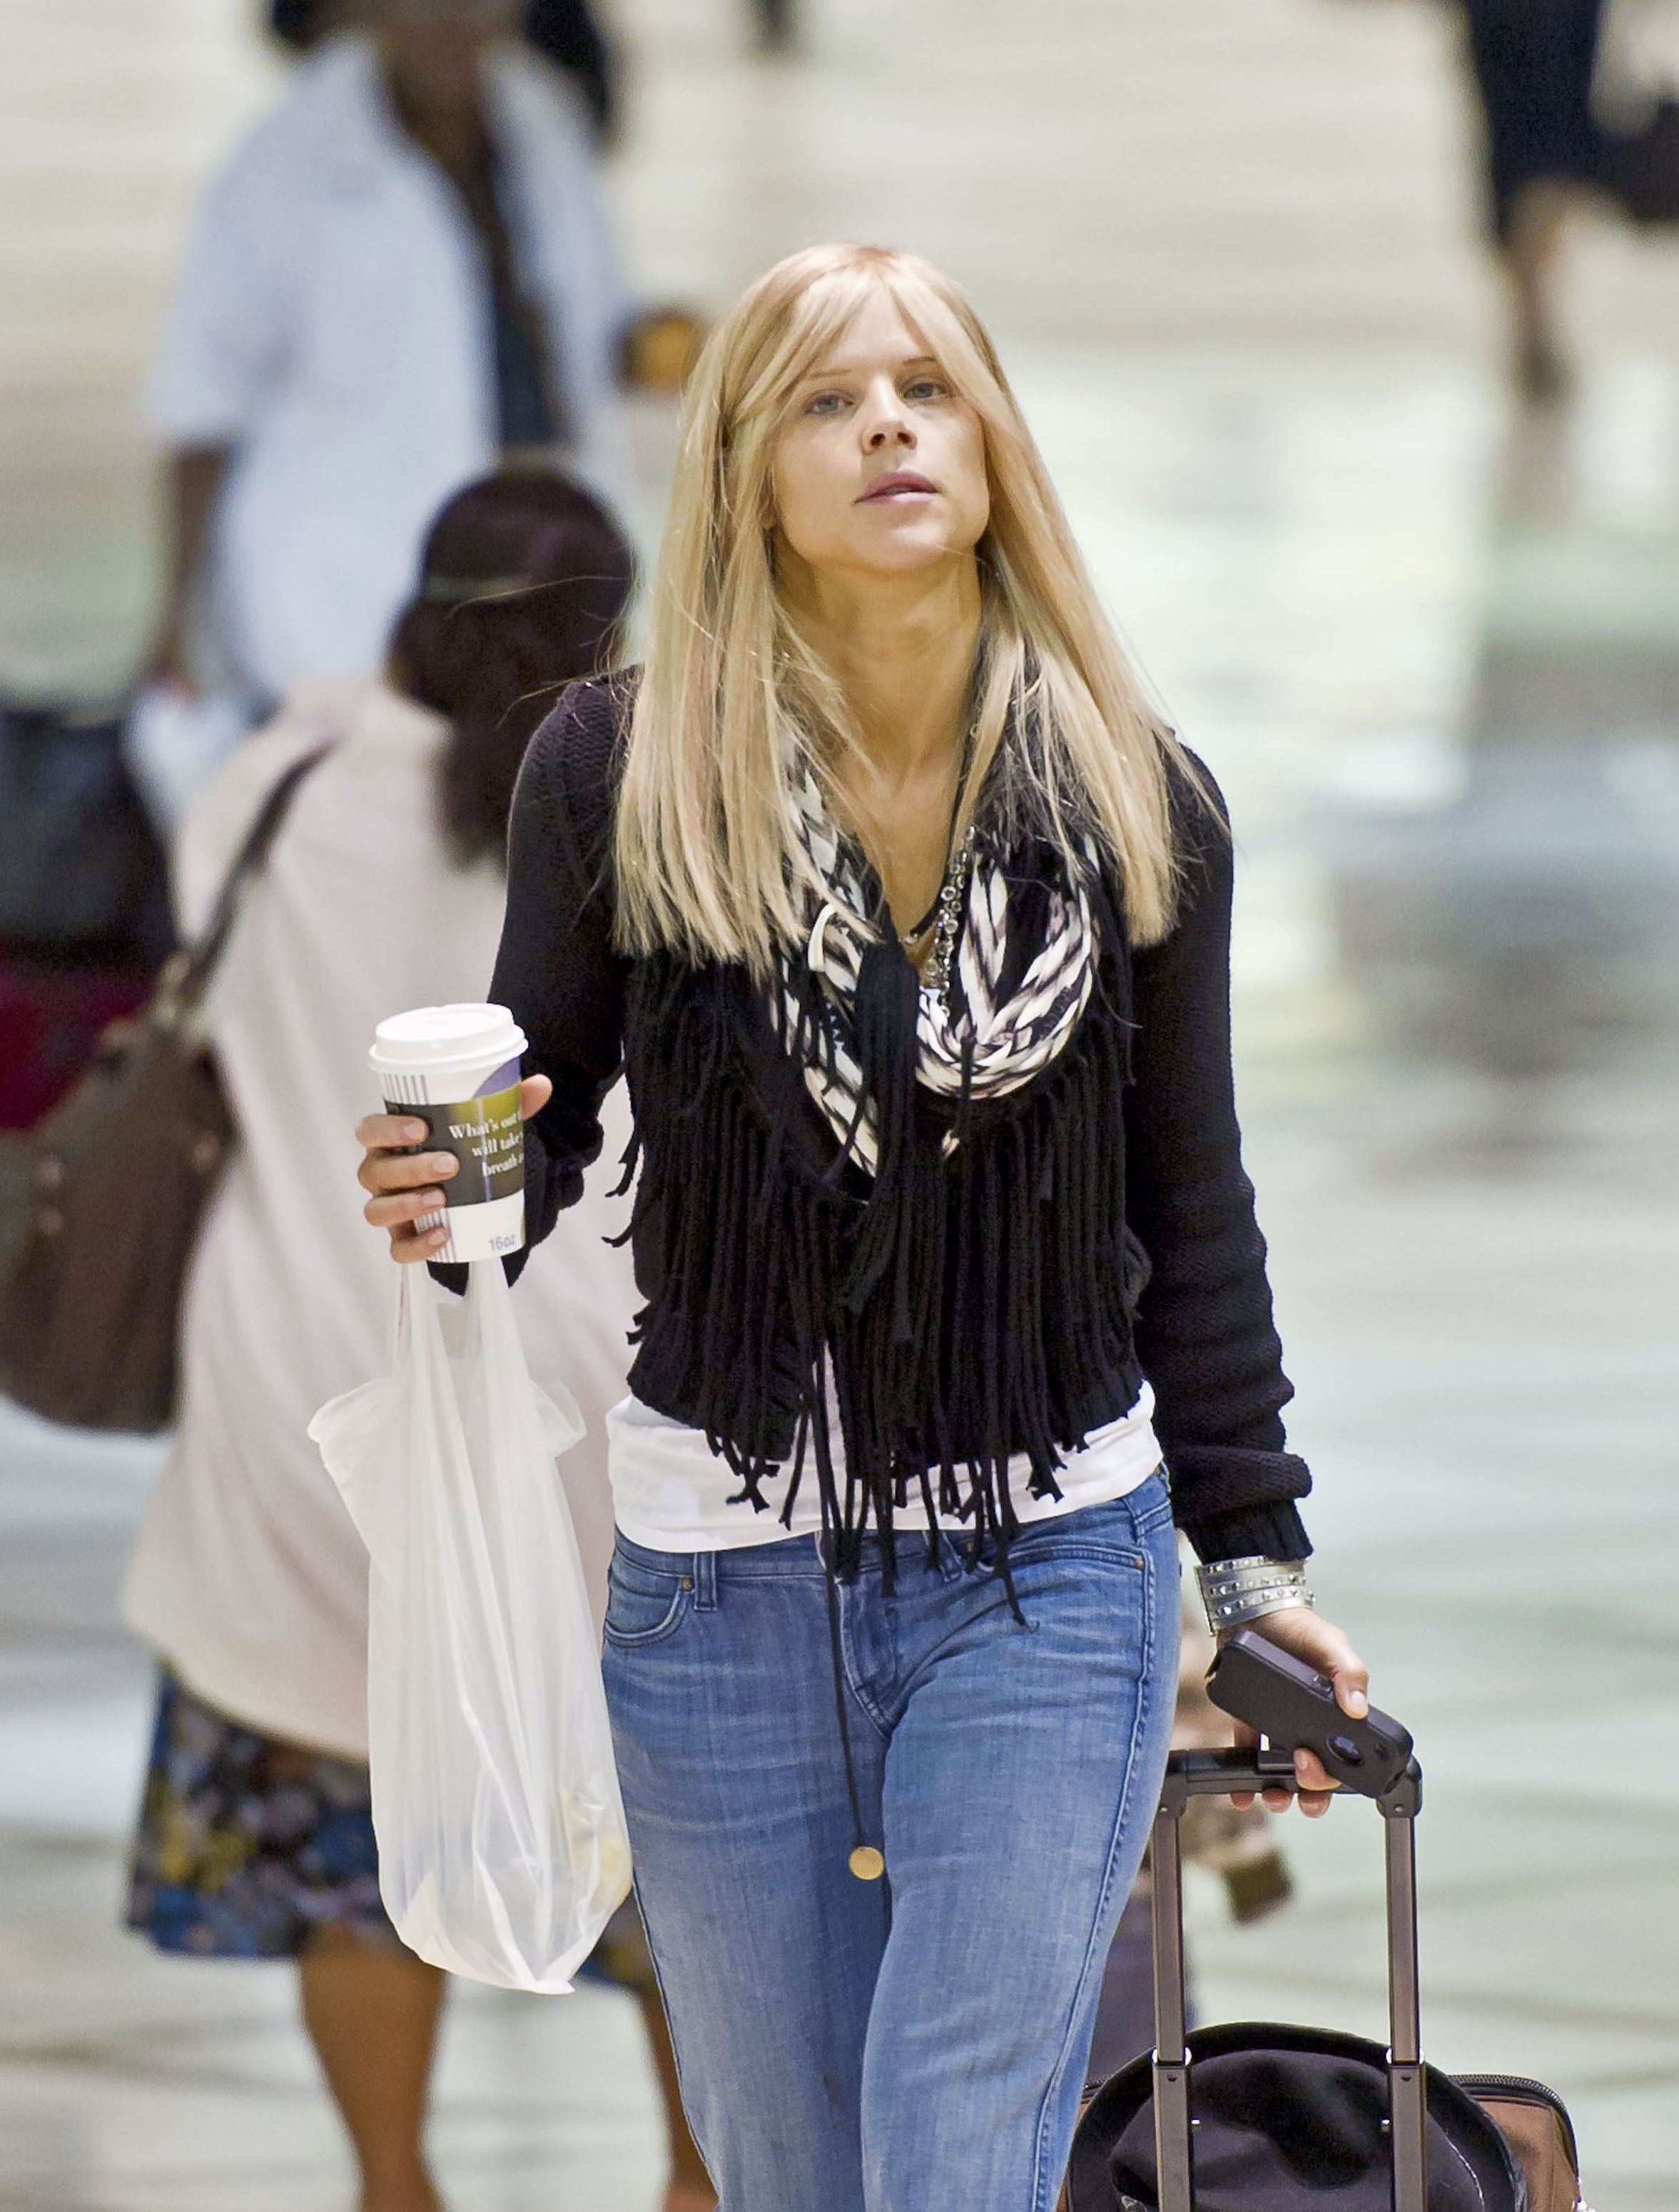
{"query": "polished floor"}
(1433, 652)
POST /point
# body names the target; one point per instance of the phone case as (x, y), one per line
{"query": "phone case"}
(1294, 1707)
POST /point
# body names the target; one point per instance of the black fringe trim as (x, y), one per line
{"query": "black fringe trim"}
(973, 1304)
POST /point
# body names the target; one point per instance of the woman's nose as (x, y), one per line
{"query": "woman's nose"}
(887, 424)
(889, 430)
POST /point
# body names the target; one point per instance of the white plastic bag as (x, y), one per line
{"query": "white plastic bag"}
(173, 744)
(501, 1845)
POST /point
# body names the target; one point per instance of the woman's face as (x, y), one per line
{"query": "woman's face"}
(881, 467)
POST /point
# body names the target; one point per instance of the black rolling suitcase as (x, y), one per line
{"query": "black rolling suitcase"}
(1257, 2116)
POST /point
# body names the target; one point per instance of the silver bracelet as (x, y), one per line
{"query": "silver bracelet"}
(1237, 1590)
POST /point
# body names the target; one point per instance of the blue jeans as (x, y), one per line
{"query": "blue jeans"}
(850, 2046)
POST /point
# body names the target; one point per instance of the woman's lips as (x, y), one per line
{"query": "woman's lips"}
(896, 485)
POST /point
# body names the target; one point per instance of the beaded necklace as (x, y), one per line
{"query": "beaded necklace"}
(944, 922)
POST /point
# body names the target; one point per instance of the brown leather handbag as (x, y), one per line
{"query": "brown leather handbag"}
(119, 1176)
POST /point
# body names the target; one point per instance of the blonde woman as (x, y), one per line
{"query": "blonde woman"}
(910, 925)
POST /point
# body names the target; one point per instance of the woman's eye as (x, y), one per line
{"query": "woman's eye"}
(927, 387)
(825, 402)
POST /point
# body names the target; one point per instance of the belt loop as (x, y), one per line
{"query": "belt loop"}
(705, 1582)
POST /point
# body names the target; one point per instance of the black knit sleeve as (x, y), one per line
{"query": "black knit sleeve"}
(556, 970)
(1204, 1333)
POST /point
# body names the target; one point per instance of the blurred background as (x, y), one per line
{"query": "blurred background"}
(1407, 574)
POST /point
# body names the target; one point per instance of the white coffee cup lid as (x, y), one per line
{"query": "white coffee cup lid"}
(435, 1040)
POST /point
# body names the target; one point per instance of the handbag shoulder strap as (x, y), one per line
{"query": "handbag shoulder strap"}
(198, 961)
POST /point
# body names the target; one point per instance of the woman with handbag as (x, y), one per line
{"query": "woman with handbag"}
(909, 922)
(384, 889)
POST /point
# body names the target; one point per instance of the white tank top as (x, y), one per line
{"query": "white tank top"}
(671, 1491)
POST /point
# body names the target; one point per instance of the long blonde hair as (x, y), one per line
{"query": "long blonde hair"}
(733, 701)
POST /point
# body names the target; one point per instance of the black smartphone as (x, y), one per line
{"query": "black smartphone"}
(1294, 1709)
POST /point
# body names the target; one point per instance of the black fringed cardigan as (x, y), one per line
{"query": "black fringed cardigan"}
(1093, 1228)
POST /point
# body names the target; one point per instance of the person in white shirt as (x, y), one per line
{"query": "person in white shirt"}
(403, 278)
(384, 890)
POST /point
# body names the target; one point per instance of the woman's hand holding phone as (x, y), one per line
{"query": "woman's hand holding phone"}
(1297, 1629)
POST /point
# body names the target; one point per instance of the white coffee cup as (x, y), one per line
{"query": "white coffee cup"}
(456, 1068)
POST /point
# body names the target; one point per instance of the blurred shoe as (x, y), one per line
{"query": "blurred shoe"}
(1544, 376)
(1257, 1886)
(777, 27)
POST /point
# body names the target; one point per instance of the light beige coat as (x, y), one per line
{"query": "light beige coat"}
(247, 1577)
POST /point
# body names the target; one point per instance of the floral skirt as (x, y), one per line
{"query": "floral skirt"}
(247, 1844)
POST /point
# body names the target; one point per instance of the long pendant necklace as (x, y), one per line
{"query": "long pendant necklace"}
(944, 922)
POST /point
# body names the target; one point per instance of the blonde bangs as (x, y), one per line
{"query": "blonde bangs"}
(732, 702)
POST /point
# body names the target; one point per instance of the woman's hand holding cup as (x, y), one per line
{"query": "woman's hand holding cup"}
(405, 1185)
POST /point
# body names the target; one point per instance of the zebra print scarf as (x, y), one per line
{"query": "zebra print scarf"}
(978, 1036)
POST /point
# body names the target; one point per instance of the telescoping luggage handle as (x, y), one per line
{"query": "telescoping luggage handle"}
(1215, 1774)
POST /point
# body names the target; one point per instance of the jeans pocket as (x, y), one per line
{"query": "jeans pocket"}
(1048, 1542)
(1120, 1531)
(1151, 1503)
(644, 1605)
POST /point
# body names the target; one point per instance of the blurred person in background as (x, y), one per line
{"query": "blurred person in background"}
(565, 31)
(1533, 63)
(402, 279)
(656, 345)
(384, 890)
